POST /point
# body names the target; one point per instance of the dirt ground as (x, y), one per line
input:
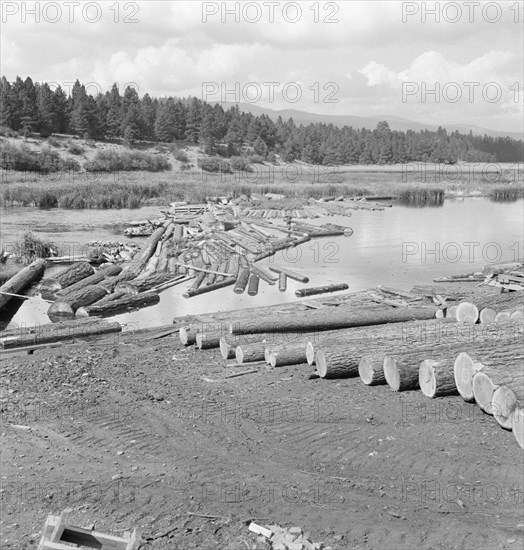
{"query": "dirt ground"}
(145, 433)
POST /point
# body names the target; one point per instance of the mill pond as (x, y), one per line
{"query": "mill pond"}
(400, 246)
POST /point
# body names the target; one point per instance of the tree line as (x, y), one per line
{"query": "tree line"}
(26, 107)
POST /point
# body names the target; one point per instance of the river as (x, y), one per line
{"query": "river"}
(400, 246)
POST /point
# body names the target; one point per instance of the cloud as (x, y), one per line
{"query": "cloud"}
(379, 75)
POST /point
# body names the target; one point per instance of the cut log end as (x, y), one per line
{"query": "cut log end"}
(310, 353)
(239, 355)
(227, 350)
(504, 403)
(517, 425)
(487, 315)
(187, 336)
(483, 389)
(427, 380)
(503, 317)
(464, 369)
(467, 313)
(365, 371)
(60, 309)
(391, 373)
(272, 359)
(321, 362)
(267, 356)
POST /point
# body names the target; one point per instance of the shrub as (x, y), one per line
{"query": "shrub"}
(32, 247)
(23, 159)
(53, 142)
(7, 132)
(272, 158)
(256, 159)
(69, 165)
(75, 148)
(111, 161)
(180, 156)
(214, 165)
(240, 163)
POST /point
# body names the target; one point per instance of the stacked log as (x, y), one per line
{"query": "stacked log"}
(104, 272)
(482, 308)
(57, 332)
(20, 281)
(502, 368)
(342, 317)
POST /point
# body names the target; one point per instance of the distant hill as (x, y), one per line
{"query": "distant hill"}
(395, 123)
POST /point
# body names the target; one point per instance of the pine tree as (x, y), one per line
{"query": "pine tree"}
(46, 119)
(193, 121)
(132, 121)
(114, 113)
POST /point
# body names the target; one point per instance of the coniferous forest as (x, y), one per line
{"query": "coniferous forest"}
(28, 106)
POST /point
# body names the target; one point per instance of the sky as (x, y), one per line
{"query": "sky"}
(432, 62)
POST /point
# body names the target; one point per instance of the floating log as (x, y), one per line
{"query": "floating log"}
(209, 288)
(343, 316)
(57, 332)
(263, 274)
(121, 304)
(250, 352)
(291, 274)
(252, 287)
(436, 378)
(74, 273)
(103, 273)
(136, 286)
(67, 305)
(21, 280)
(282, 282)
(517, 425)
(504, 368)
(320, 290)
(110, 297)
(295, 355)
(242, 280)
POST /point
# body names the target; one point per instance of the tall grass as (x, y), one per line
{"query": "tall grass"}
(134, 189)
(124, 161)
(507, 193)
(31, 247)
(422, 196)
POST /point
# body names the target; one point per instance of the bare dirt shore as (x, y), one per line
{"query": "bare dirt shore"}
(144, 433)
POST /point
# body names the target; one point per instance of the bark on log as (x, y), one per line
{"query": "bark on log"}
(250, 352)
(21, 280)
(67, 305)
(506, 367)
(436, 378)
(289, 356)
(291, 274)
(320, 290)
(282, 282)
(371, 372)
(517, 425)
(187, 335)
(110, 283)
(467, 364)
(207, 341)
(57, 332)
(252, 287)
(136, 286)
(74, 273)
(343, 317)
(122, 304)
(242, 280)
(227, 350)
(95, 279)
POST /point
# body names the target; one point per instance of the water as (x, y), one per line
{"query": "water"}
(400, 246)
